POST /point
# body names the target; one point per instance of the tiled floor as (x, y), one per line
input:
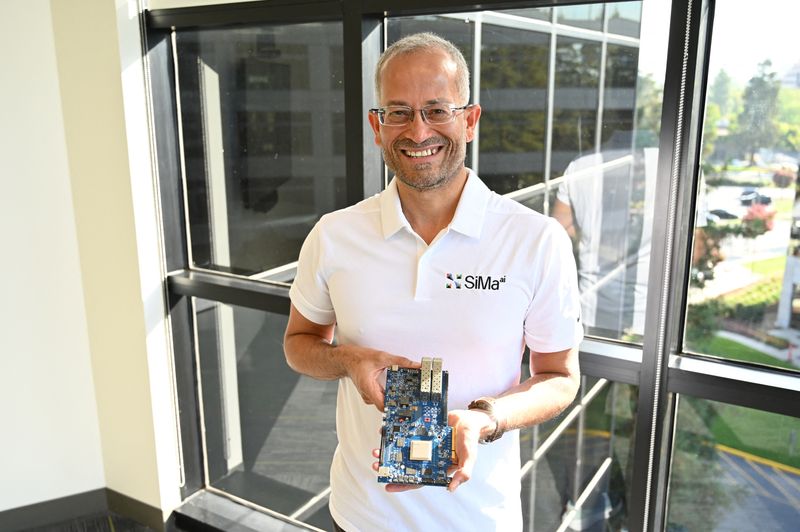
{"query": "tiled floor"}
(95, 523)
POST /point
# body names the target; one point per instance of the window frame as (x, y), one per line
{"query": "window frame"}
(659, 367)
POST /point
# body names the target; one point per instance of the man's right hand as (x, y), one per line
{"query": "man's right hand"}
(309, 350)
(365, 368)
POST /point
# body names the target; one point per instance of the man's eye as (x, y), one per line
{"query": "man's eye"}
(398, 113)
(438, 111)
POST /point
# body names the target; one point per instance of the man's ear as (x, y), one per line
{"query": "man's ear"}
(472, 114)
(376, 127)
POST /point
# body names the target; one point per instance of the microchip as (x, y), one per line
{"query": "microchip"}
(421, 450)
(416, 442)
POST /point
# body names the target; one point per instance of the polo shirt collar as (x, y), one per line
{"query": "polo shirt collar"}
(468, 219)
(471, 210)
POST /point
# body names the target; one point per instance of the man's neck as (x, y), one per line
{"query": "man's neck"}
(430, 211)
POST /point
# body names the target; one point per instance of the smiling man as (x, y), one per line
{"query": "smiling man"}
(380, 276)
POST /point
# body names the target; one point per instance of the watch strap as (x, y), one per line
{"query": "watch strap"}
(486, 405)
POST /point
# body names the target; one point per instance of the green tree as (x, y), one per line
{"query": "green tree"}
(649, 95)
(789, 119)
(720, 93)
(757, 124)
(713, 116)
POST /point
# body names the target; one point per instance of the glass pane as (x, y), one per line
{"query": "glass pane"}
(270, 433)
(733, 468)
(539, 13)
(571, 130)
(594, 455)
(624, 18)
(744, 291)
(263, 135)
(588, 16)
(513, 99)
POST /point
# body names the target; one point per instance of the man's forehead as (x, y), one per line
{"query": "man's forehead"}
(428, 55)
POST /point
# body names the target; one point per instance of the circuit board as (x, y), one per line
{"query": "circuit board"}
(416, 442)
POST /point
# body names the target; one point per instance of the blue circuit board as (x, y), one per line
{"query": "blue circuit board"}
(416, 442)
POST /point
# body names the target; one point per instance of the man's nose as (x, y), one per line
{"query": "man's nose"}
(418, 128)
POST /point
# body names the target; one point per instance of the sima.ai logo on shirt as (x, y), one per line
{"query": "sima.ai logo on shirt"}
(459, 281)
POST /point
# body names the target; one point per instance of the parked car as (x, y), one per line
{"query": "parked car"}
(722, 214)
(751, 196)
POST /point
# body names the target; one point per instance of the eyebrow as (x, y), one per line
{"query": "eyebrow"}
(404, 103)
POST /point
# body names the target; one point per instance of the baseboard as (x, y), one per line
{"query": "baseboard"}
(136, 510)
(75, 506)
(54, 511)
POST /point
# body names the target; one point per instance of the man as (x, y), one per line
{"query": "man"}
(384, 276)
(602, 196)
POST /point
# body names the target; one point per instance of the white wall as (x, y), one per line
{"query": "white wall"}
(50, 444)
(85, 386)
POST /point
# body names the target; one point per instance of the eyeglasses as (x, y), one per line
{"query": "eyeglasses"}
(400, 115)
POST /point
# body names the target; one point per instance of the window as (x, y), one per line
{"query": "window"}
(733, 468)
(261, 114)
(258, 136)
(743, 291)
(258, 414)
(560, 141)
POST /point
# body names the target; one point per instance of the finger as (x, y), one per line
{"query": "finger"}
(397, 488)
(403, 362)
(466, 447)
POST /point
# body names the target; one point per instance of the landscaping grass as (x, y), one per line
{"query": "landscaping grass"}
(783, 208)
(733, 350)
(771, 266)
(754, 431)
(759, 433)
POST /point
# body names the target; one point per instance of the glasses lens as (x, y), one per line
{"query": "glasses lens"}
(396, 115)
(438, 114)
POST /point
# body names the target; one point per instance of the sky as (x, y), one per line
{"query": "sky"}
(745, 33)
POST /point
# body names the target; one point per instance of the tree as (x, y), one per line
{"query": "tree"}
(649, 95)
(720, 93)
(789, 119)
(757, 123)
(713, 116)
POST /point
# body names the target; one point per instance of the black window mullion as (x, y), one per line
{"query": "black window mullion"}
(423, 7)
(244, 13)
(230, 290)
(362, 47)
(673, 216)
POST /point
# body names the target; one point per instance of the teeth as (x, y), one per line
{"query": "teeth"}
(423, 153)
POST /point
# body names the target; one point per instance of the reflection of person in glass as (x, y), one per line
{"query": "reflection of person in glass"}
(605, 201)
(376, 275)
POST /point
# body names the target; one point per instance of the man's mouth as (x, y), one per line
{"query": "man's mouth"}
(421, 153)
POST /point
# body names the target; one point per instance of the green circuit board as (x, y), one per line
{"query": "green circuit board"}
(416, 442)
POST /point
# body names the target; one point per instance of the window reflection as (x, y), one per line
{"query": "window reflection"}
(585, 16)
(733, 468)
(269, 432)
(261, 111)
(743, 291)
(591, 456)
(553, 116)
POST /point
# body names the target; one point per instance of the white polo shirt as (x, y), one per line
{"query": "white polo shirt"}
(498, 277)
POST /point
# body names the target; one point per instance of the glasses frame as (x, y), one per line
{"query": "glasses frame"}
(380, 112)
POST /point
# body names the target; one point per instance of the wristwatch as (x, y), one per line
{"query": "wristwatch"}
(486, 404)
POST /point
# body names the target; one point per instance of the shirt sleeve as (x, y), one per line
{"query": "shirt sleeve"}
(309, 292)
(553, 321)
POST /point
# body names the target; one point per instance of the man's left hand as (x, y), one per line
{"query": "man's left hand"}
(468, 426)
